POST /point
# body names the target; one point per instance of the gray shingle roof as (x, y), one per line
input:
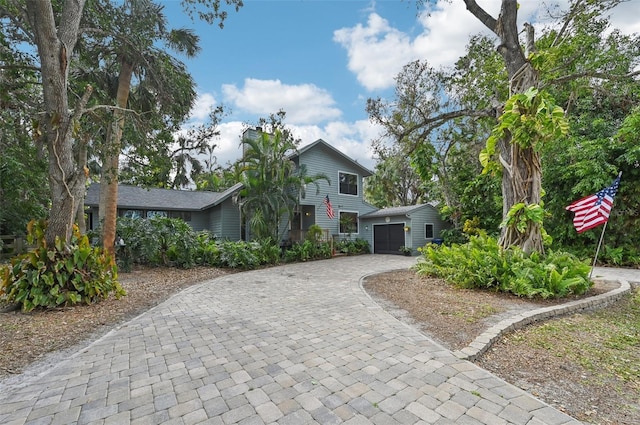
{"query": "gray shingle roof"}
(161, 199)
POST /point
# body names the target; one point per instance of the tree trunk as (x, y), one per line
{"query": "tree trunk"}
(109, 186)
(521, 167)
(82, 163)
(55, 47)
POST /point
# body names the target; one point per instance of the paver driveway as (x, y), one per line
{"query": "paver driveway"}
(293, 344)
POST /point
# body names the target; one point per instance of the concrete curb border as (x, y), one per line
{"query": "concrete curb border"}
(485, 340)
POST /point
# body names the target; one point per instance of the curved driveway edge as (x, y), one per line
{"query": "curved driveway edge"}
(485, 340)
(293, 344)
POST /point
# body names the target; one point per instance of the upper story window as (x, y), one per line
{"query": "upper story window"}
(348, 183)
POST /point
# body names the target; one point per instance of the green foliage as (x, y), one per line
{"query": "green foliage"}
(586, 163)
(307, 250)
(394, 181)
(172, 242)
(453, 236)
(482, 264)
(520, 215)
(353, 247)
(272, 183)
(238, 255)
(64, 274)
(158, 241)
(530, 119)
(314, 233)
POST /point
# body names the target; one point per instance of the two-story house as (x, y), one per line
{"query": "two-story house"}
(386, 230)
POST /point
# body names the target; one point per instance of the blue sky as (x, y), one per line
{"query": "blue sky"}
(319, 60)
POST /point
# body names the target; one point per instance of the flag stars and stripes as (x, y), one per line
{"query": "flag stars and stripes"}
(594, 210)
(330, 212)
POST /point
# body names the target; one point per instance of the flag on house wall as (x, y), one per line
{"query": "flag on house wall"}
(327, 202)
(594, 210)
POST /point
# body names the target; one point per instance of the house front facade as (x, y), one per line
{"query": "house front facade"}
(343, 193)
(337, 206)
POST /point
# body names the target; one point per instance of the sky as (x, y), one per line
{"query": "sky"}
(320, 60)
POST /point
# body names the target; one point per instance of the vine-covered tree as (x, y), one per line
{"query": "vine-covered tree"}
(518, 94)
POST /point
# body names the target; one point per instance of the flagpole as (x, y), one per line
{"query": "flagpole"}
(595, 259)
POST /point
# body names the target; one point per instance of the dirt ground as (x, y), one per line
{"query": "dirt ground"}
(451, 316)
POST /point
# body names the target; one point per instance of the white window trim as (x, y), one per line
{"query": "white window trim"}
(433, 230)
(357, 213)
(357, 184)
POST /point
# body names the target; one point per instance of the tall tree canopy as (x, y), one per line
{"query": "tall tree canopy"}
(53, 28)
(510, 92)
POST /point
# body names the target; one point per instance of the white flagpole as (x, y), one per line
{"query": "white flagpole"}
(595, 259)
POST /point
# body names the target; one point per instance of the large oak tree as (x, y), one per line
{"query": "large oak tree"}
(429, 100)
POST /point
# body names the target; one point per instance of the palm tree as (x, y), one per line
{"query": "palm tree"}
(139, 28)
(272, 183)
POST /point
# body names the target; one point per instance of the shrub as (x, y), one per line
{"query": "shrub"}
(314, 234)
(307, 250)
(158, 241)
(64, 274)
(482, 264)
(238, 255)
(353, 247)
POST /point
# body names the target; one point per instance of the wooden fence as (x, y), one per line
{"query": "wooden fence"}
(12, 245)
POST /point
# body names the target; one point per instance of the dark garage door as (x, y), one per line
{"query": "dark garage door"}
(388, 238)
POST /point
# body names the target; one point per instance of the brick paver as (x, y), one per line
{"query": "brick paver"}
(294, 344)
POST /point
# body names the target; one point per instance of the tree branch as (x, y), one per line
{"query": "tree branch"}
(29, 67)
(488, 20)
(568, 18)
(595, 74)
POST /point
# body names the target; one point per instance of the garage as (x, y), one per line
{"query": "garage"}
(388, 238)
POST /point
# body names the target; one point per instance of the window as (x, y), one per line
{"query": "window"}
(348, 222)
(348, 183)
(155, 213)
(428, 231)
(132, 213)
(185, 215)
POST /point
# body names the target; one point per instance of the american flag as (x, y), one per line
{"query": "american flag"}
(594, 210)
(327, 202)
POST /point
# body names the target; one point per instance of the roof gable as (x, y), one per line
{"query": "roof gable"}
(364, 171)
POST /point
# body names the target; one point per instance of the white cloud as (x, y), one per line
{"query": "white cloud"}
(303, 103)
(351, 138)
(205, 102)
(376, 51)
(228, 148)
(625, 17)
